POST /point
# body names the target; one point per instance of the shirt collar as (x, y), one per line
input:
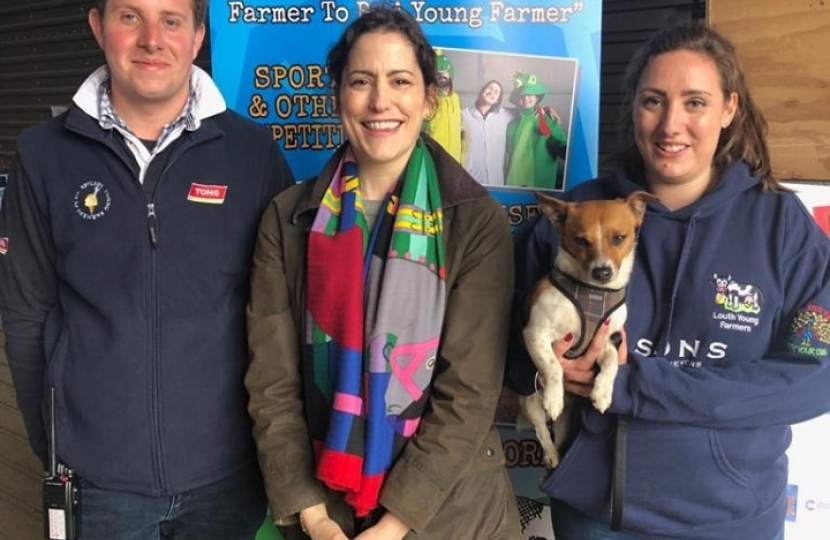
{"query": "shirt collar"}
(108, 117)
(204, 100)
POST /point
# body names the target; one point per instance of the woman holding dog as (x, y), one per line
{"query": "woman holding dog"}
(378, 319)
(718, 360)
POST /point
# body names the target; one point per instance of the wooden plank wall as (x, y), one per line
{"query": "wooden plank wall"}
(20, 471)
(785, 49)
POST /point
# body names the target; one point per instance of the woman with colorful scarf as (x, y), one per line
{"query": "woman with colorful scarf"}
(378, 320)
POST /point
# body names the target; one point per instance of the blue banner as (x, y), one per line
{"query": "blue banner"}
(268, 58)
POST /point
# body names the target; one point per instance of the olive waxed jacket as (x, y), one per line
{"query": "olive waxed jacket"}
(450, 481)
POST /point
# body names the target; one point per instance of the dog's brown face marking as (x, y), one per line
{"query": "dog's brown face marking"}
(597, 234)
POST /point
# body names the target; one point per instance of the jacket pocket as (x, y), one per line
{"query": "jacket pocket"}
(480, 506)
(491, 454)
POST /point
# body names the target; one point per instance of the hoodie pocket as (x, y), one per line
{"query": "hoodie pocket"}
(679, 477)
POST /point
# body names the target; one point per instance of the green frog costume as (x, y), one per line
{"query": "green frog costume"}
(445, 124)
(535, 139)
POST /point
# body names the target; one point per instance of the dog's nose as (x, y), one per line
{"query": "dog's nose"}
(601, 274)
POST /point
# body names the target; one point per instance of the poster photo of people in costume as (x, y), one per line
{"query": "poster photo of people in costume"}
(506, 118)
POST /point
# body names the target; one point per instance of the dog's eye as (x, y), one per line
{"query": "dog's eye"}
(581, 241)
(617, 239)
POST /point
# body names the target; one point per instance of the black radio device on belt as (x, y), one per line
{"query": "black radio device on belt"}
(61, 498)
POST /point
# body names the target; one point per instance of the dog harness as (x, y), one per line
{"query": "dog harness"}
(594, 304)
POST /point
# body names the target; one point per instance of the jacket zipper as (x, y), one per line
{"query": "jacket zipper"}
(155, 358)
(155, 408)
(160, 482)
(151, 222)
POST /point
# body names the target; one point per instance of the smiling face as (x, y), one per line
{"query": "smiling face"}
(528, 101)
(678, 112)
(443, 79)
(491, 94)
(150, 46)
(383, 101)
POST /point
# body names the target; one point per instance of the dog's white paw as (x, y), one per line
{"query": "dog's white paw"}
(553, 402)
(550, 455)
(601, 398)
(551, 461)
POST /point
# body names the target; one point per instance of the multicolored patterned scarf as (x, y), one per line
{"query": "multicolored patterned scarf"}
(375, 302)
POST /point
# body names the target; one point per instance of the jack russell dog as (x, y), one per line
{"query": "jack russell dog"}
(585, 288)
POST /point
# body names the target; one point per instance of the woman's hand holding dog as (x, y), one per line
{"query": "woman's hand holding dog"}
(579, 372)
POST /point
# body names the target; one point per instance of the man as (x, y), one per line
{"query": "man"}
(445, 124)
(128, 227)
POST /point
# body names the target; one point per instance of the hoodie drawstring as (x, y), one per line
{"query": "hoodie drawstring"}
(685, 255)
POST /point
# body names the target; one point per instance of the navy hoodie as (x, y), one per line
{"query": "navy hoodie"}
(728, 331)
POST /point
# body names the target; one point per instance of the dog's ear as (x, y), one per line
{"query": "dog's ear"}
(555, 210)
(638, 201)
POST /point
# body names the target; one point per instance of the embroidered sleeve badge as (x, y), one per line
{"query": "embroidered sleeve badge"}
(810, 332)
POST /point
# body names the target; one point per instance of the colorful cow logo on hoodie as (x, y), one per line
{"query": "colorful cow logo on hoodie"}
(736, 297)
(739, 304)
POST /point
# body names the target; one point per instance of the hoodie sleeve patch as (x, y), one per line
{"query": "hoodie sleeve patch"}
(810, 332)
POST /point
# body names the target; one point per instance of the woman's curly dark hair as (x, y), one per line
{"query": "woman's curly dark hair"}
(381, 17)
